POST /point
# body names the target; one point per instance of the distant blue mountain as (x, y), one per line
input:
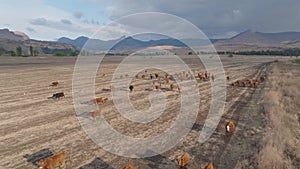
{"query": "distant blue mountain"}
(127, 43)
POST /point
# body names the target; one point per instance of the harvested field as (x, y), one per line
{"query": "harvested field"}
(33, 126)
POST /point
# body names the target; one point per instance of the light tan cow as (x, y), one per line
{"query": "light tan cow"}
(112, 87)
(95, 113)
(183, 160)
(53, 161)
(209, 166)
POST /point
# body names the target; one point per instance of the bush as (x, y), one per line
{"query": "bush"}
(60, 54)
(230, 55)
(73, 53)
(11, 53)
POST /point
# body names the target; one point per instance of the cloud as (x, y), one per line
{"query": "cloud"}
(91, 21)
(63, 24)
(218, 16)
(65, 21)
(78, 14)
(30, 29)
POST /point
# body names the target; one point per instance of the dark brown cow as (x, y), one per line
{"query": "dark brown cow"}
(54, 161)
(129, 166)
(228, 78)
(156, 75)
(209, 166)
(232, 84)
(262, 78)
(136, 76)
(183, 160)
(131, 88)
(57, 95)
(54, 83)
(229, 127)
(151, 76)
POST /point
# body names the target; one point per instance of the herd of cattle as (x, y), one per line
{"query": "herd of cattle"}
(167, 81)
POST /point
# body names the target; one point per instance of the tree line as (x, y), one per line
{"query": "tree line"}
(284, 52)
(34, 52)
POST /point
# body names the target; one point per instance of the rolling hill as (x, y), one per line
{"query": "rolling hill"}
(10, 40)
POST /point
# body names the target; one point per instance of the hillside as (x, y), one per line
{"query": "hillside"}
(10, 40)
(249, 40)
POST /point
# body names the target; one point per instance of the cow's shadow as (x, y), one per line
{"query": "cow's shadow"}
(41, 154)
(160, 161)
(97, 163)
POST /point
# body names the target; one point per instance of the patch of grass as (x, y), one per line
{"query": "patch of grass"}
(297, 61)
(293, 84)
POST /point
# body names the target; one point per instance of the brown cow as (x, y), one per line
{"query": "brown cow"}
(206, 75)
(54, 83)
(129, 166)
(256, 84)
(105, 100)
(156, 75)
(143, 76)
(157, 87)
(167, 81)
(172, 86)
(183, 160)
(228, 78)
(136, 76)
(95, 113)
(53, 161)
(229, 128)
(97, 100)
(239, 82)
(209, 166)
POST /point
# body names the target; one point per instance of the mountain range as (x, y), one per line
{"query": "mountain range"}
(247, 40)
(128, 43)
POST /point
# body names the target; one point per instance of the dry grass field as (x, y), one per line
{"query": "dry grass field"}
(33, 127)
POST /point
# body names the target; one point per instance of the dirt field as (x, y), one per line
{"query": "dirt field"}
(33, 127)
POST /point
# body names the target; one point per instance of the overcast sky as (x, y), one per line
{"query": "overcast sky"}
(51, 19)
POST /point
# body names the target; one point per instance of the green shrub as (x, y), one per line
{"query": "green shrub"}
(60, 54)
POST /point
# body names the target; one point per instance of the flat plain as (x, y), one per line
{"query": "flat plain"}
(33, 126)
